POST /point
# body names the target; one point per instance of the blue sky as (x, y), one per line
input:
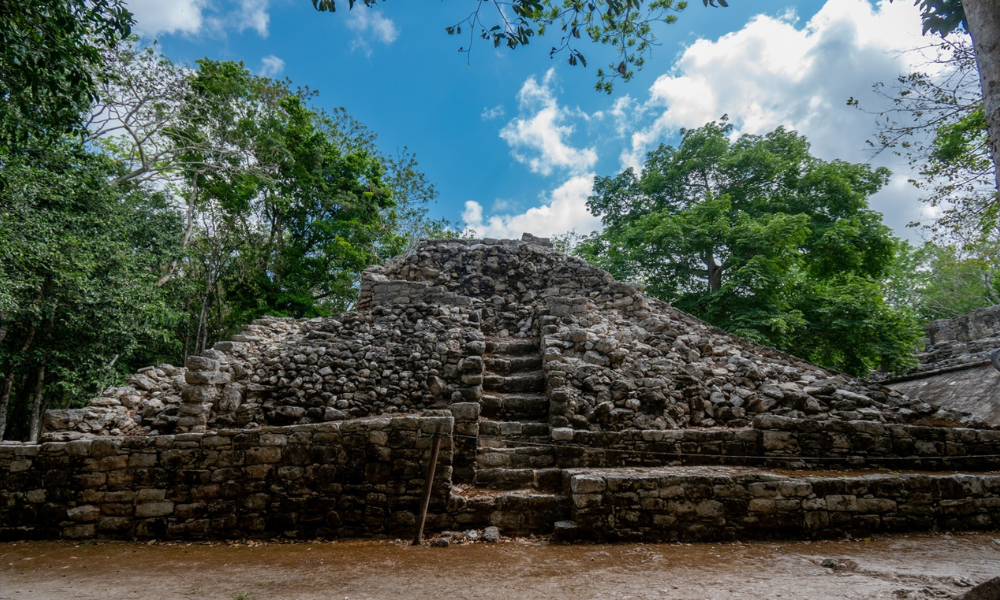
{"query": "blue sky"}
(513, 140)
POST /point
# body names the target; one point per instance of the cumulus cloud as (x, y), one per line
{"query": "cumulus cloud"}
(253, 15)
(199, 17)
(153, 17)
(564, 209)
(271, 65)
(539, 139)
(369, 24)
(774, 72)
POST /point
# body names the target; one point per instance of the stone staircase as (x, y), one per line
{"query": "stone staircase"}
(514, 438)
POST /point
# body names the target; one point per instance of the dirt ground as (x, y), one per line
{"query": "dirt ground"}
(898, 567)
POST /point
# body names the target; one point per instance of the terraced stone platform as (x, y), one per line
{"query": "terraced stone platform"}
(570, 404)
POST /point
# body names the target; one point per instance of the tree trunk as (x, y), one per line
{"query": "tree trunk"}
(983, 19)
(188, 231)
(8, 382)
(714, 272)
(36, 405)
(202, 336)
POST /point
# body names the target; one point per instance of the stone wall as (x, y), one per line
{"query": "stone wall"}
(344, 479)
(616, 363)
(976, 325)
(732, 504)
(975, 390)
(965, 340)
(614, 359)
(954, 369)
(153, 401)
(782, 442)
(394, 358)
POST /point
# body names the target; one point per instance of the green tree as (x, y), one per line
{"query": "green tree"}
(78, 263)
(762, 239)
(272, 223)
(51, 64)
(937, 121)
(327, 212)
(941, 282)
(280, 219)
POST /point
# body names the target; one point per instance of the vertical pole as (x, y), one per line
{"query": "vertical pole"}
(428, 484)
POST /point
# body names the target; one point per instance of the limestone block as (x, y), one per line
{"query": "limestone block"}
(199, 394)
(562, 434)
(231, 398)
(875, 505)
(710, 509)
(587, 484)
(780, 441)
(150, 495)
(201, 363)
(207, 377)
(102, 447)
(465, 411)
(762, 505)
(86, 513)
(842, 503)
(154, 509)
(816, 520)
(77, 532)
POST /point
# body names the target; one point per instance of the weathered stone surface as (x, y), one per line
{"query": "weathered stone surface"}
(349, 479)
(700, 504)
(614, 359)
(954, 374)
(988, 590)
(536, 362)
(491, 535)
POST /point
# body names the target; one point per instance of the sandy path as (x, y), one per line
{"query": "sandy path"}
(891, 567)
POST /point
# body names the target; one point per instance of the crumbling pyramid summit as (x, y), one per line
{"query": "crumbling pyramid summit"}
(499, 323)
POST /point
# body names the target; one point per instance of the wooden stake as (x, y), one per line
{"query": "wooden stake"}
(428, 484)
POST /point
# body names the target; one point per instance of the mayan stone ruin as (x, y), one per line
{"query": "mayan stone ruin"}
(572, 404)
(959, 365)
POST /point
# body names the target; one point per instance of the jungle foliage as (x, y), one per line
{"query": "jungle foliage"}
(159, 207)
(762, 239)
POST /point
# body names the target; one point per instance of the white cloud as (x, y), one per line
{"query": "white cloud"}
(539, 140)
(773, 72)
(253, 15)
(369, 23)
(271, 65)
(176, 16)
(564, 210)
(199, 17)
(489, 114)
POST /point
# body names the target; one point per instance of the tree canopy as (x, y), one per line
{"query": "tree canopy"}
(177, 204)
(51, 62)
(762, 239)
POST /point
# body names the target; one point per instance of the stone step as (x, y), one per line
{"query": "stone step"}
(513, 346)
(521, 457)
(518, 511)
(549, 480)
(512, 384)
(507, 365)
(515, 407)
(496, 434)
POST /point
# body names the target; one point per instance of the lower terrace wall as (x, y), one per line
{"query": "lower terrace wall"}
(730, 503)
(357, 478)
(782, 442)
